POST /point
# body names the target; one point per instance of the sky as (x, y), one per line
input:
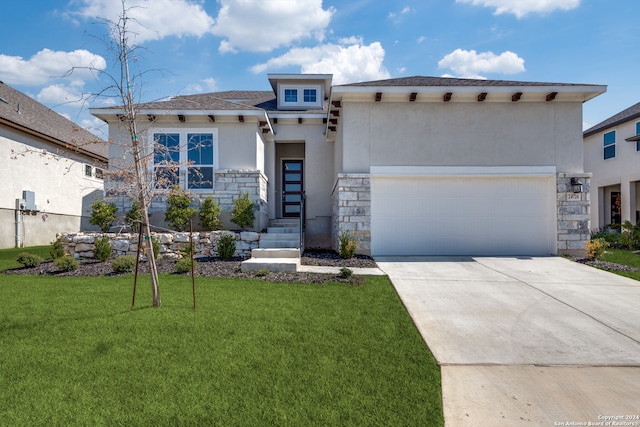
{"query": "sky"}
(60, 52)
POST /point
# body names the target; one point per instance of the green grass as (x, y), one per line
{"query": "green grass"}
(72, 352)
(625, 257)
(8, 256)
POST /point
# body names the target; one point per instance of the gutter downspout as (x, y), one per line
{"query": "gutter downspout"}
(18, 229)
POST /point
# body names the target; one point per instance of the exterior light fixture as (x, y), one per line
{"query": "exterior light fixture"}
(576, 185)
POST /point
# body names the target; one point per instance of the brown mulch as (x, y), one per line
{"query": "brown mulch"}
(215, 267)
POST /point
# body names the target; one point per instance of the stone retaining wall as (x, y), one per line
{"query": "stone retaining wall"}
(82, 245)
(574, 213)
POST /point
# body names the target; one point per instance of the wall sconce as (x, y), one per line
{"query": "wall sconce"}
(576, 185)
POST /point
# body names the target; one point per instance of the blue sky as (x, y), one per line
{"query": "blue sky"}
(196, 46)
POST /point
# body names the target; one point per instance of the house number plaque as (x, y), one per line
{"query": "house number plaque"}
(573, 197)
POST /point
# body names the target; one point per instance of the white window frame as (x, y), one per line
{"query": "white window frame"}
(300, 90)
(183, 166)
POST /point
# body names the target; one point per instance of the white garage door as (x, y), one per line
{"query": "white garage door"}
(463, 215)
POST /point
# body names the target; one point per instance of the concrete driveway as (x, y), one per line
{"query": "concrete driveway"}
(526, 341)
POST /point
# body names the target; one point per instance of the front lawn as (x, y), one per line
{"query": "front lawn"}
(72, 352)
(623, 257)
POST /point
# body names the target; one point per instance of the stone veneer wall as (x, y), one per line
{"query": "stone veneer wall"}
(574, 213)
(229, 184)
(351, 206)
(82, 245)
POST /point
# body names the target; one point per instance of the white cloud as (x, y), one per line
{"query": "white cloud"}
(520, 8)
(47, 65)
(152, 19)
(469, 63)
(261, 26)
(421, 39)
(207, 85)
(348, 64)
(69, 95)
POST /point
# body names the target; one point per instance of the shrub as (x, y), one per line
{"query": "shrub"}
(262, 272)
(67, 263)
(124, 264)
(345, 273)
(103, 249)
(242, 213)
(209, 214)
(102, 214)
(29, 260)
(56, 250)
(595, 248)
(348, 245)
(183, 265)
(155, 243)
(226, 246)
(133, 217)
(178, 209)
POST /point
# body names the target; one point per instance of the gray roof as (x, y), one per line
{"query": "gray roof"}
(630, 113)
(25, 114)
(418, 81)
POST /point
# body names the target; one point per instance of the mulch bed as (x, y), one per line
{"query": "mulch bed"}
(609, 266)
(215, 267)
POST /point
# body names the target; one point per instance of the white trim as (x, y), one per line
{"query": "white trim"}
(463, 170)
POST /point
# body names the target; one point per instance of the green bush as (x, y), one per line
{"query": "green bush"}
(133, 217)
(56, 250)
(209, 214)
(124, 264)
(243, 213)
(348, 245)
(102, 214)
(178, 209)
(226, 246)
(29, 260)
(103, 249)
(67, 263)
(183, 265)
(345, 273)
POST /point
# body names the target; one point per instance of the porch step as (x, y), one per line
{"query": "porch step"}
(280, 222)
(288, 230)
(275, 253)
(289, 265)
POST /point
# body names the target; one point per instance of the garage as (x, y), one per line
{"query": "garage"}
(484, 215)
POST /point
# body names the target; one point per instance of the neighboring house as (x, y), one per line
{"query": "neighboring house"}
(51, 171)
(612, 155)
(410, 166)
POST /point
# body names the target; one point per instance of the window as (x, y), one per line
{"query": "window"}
(609, 145)
(290, 95)
(200, 160)
(87, 170)
(638, 133)
(184, 158)
(310, 95)
(99, 173)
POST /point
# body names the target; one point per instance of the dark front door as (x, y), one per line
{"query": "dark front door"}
(292, 187)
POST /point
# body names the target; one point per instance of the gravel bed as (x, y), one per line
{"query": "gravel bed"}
(215, 267)
(609, 266)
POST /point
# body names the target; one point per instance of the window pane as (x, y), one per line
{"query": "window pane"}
(290, 95)
(166, 148)
(609, 152)
(609, 138)
(87, 170)
(309, 95)
(200, 150)
(292, 208)
(293, 187)
(292, 177)
(200, 178)
(293, 166)
(165, 177)
(292, 198)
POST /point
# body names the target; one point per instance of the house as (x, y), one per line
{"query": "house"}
(611, 154)
(51, 171)
(409, 166)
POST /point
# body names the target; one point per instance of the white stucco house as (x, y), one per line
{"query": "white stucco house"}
(411, 166)
(51, 171)
(612, 155)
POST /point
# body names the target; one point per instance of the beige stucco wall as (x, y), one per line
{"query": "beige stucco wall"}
(461, 134)
(62, 192)
(621, 173)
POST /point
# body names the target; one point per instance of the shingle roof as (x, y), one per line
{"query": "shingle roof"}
(23, 112)
(630, 113)
(417, 81)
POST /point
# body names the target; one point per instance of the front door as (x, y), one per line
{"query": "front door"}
(292, 188)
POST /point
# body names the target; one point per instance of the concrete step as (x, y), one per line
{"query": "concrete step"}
(271, 264)
(284, 223)
(279, 244)
(275, 253)
(281, 236)
(291, 230)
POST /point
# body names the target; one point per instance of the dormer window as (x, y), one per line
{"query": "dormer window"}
(300, 96)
